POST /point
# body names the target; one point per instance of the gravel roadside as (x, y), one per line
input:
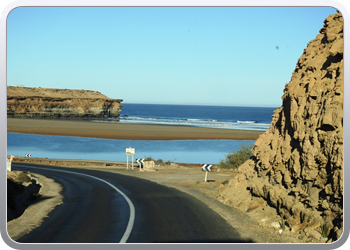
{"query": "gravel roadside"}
(49, 197)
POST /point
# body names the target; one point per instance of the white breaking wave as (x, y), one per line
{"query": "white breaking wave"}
(210, 123)
(246, 121)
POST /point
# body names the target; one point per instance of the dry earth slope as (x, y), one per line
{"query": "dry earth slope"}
(297, 167)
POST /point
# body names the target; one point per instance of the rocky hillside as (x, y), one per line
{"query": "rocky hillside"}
(25, 102)
(297, 167)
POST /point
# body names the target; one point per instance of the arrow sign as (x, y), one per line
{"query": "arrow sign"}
(207, 167)
(140, 162)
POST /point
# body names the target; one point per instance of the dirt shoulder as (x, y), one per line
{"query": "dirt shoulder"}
(47, 199)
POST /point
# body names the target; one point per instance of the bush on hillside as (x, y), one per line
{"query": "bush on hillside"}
(157, 162)
(235, 159)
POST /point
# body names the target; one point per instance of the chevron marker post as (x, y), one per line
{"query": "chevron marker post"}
(140, 162)
(207, 168)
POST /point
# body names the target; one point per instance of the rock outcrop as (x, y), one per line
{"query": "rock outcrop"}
(297, 165)
(25, 102)
(20, 194)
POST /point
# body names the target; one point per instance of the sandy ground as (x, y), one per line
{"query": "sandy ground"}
(124, 131)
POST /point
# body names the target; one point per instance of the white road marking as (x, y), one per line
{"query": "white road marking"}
(131, 205)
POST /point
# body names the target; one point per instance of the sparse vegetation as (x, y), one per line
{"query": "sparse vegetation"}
(324, 230)
(157, 162)
(224, 183)
(23, 177)
(235, 159)
(148, 158)
(283, 223)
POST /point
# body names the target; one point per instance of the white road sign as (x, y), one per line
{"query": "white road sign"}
(130, 151)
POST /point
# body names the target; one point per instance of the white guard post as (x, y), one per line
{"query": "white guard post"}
(207, 168)
(130, 151)
(9, 162)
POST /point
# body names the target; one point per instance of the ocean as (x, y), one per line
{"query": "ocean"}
(226, 117)
(179, 151)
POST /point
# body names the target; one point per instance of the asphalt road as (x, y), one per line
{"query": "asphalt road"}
(97, 208)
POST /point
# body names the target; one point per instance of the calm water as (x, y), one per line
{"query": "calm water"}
(68, 147)
(186, 151)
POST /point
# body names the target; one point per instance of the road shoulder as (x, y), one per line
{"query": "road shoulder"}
(49, 197)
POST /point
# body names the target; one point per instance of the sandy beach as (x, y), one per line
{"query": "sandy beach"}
(125, 131)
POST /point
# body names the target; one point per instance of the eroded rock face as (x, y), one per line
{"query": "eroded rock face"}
(20, 197)
(297, 167)
(53, 103)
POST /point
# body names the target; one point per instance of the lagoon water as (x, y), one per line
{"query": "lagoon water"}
(181, 151)
(68, 147)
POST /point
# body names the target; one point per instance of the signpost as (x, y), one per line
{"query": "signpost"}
(9, 162)
(140, 162)
(207, 168)
(130, 151)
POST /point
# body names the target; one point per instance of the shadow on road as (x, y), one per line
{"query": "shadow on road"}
(212, 241)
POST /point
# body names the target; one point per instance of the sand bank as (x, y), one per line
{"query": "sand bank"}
(125, 131)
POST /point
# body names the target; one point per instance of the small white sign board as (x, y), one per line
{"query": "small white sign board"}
(130, 151)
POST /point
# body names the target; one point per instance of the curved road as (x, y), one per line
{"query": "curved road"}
(98, 208)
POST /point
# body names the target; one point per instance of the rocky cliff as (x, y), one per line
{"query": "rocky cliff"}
(297, 167)
(25, 102)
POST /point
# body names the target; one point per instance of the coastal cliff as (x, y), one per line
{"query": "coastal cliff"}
(297, 165)
(25, 102)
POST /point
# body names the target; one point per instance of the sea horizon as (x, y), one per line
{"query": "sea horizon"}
(214, 105)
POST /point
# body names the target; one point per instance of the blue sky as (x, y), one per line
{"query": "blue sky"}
(174, 55)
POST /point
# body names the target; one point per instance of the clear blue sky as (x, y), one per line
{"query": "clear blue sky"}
(174, 55)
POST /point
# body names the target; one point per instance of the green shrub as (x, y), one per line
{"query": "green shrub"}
(324, 230)
(157, 162)
(148, 158)
(283, 223)
(235, 159)
(224, 183)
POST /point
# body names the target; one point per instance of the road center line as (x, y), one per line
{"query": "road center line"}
(131, 205)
